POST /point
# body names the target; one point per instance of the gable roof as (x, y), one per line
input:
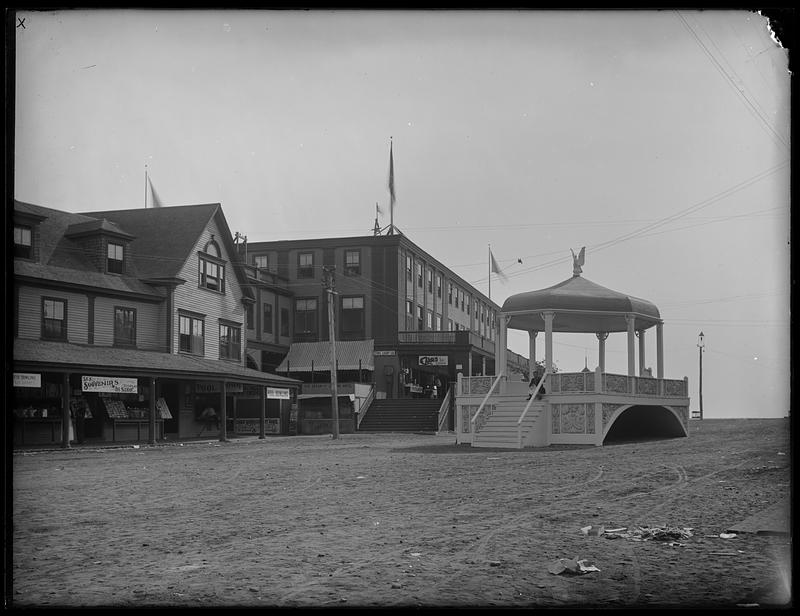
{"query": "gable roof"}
(165, 237)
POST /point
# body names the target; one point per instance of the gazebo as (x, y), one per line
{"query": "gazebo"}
(583, 407)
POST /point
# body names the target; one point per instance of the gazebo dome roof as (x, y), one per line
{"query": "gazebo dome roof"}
(580, 306)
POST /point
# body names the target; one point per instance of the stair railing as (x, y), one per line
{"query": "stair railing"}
(527, 406)
(444, 409)
(362, 410)
(483, 404)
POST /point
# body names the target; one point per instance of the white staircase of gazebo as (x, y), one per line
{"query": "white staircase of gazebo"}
(500, 428)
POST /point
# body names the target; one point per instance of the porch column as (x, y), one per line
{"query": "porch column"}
(263, 414)
(548, 340)
(483, 365)
(152, 423)
(659, 350)
(631, 344)
(223, 415)
(469, 363)
(65, 412)
(641, 352)
(601, 351)
(532, 349)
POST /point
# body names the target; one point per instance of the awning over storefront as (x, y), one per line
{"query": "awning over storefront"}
(40, 355)
(350, 355)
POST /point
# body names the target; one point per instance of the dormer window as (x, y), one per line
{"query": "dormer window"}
(261, 261)
(23, 242)
(115, 262)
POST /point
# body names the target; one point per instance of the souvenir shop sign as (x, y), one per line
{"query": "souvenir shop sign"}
(433, 360)
(25, 379)
(213, 387)
(110, 384)
(275, 393)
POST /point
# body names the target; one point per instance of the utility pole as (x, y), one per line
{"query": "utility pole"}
(701, 345)
(330, 286)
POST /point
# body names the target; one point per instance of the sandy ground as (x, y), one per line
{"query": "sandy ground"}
(400, 520)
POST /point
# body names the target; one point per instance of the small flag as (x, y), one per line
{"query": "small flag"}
(496, 268)
(378, 209)
(519, 261)
(154, 199)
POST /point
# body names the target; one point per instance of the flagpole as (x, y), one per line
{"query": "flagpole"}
(145, 186)
(490, 272)
(391, 187)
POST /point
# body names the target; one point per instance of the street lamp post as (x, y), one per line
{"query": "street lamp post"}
(701, 345)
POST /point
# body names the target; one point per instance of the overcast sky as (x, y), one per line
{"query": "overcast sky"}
(658, 140)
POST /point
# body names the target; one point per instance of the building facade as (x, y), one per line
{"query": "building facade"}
(131, 325)
(424, 322)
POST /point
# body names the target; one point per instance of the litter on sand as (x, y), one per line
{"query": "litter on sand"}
(646, 533)
(572, 566)
(727, 535)
(593, 531)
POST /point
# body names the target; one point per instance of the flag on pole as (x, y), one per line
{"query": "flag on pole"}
(151, 197)
(391, 176)
(496, 268)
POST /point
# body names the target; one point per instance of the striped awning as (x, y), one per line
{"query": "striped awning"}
(350, 355)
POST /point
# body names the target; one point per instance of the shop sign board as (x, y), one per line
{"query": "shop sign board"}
(27, 379)
(276, 393)
(110, 384)
(384, 353)
(252, 426)
(433, 360)
(213, 387)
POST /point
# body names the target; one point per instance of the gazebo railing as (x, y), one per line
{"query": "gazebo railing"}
(610, 383)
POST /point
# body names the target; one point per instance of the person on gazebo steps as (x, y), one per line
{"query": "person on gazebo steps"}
(537, 376)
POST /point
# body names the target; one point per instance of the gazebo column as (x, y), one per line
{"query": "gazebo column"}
(601, 351)
(532, 349)
(631, 344)
(641, 352)
(500, 345)
(660, 350)
(548, 340)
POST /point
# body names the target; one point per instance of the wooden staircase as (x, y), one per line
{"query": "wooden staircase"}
(500, 428)
(402, 415)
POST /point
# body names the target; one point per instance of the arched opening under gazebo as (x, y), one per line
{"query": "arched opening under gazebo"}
(583, 407)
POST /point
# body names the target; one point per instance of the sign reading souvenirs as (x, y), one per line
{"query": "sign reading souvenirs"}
(433, 360)
(273, 393)
(110, 384)
(25, 379)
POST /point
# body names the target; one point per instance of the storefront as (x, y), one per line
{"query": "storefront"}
(138, 396)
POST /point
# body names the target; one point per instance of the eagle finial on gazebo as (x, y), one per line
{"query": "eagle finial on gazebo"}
(578, 261)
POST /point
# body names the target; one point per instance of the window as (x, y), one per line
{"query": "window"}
(430, 281)
(464, 302)
(429, 319)
(352, 262)
(438, 323)
(409, 271)
(261, 261)
(212, 275)
(124, 326)
(305, 265)
(352, 315)
(285, 322)
(438, 285)
(23, 246)
(409, 307)
(54, 318)
(305, 317)
(450, 293)
(419, 275)
(248, 311)
(267, 325)
(449, 325)
(420, 324)
(115, 262)
(230, 342)
(191, 335)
